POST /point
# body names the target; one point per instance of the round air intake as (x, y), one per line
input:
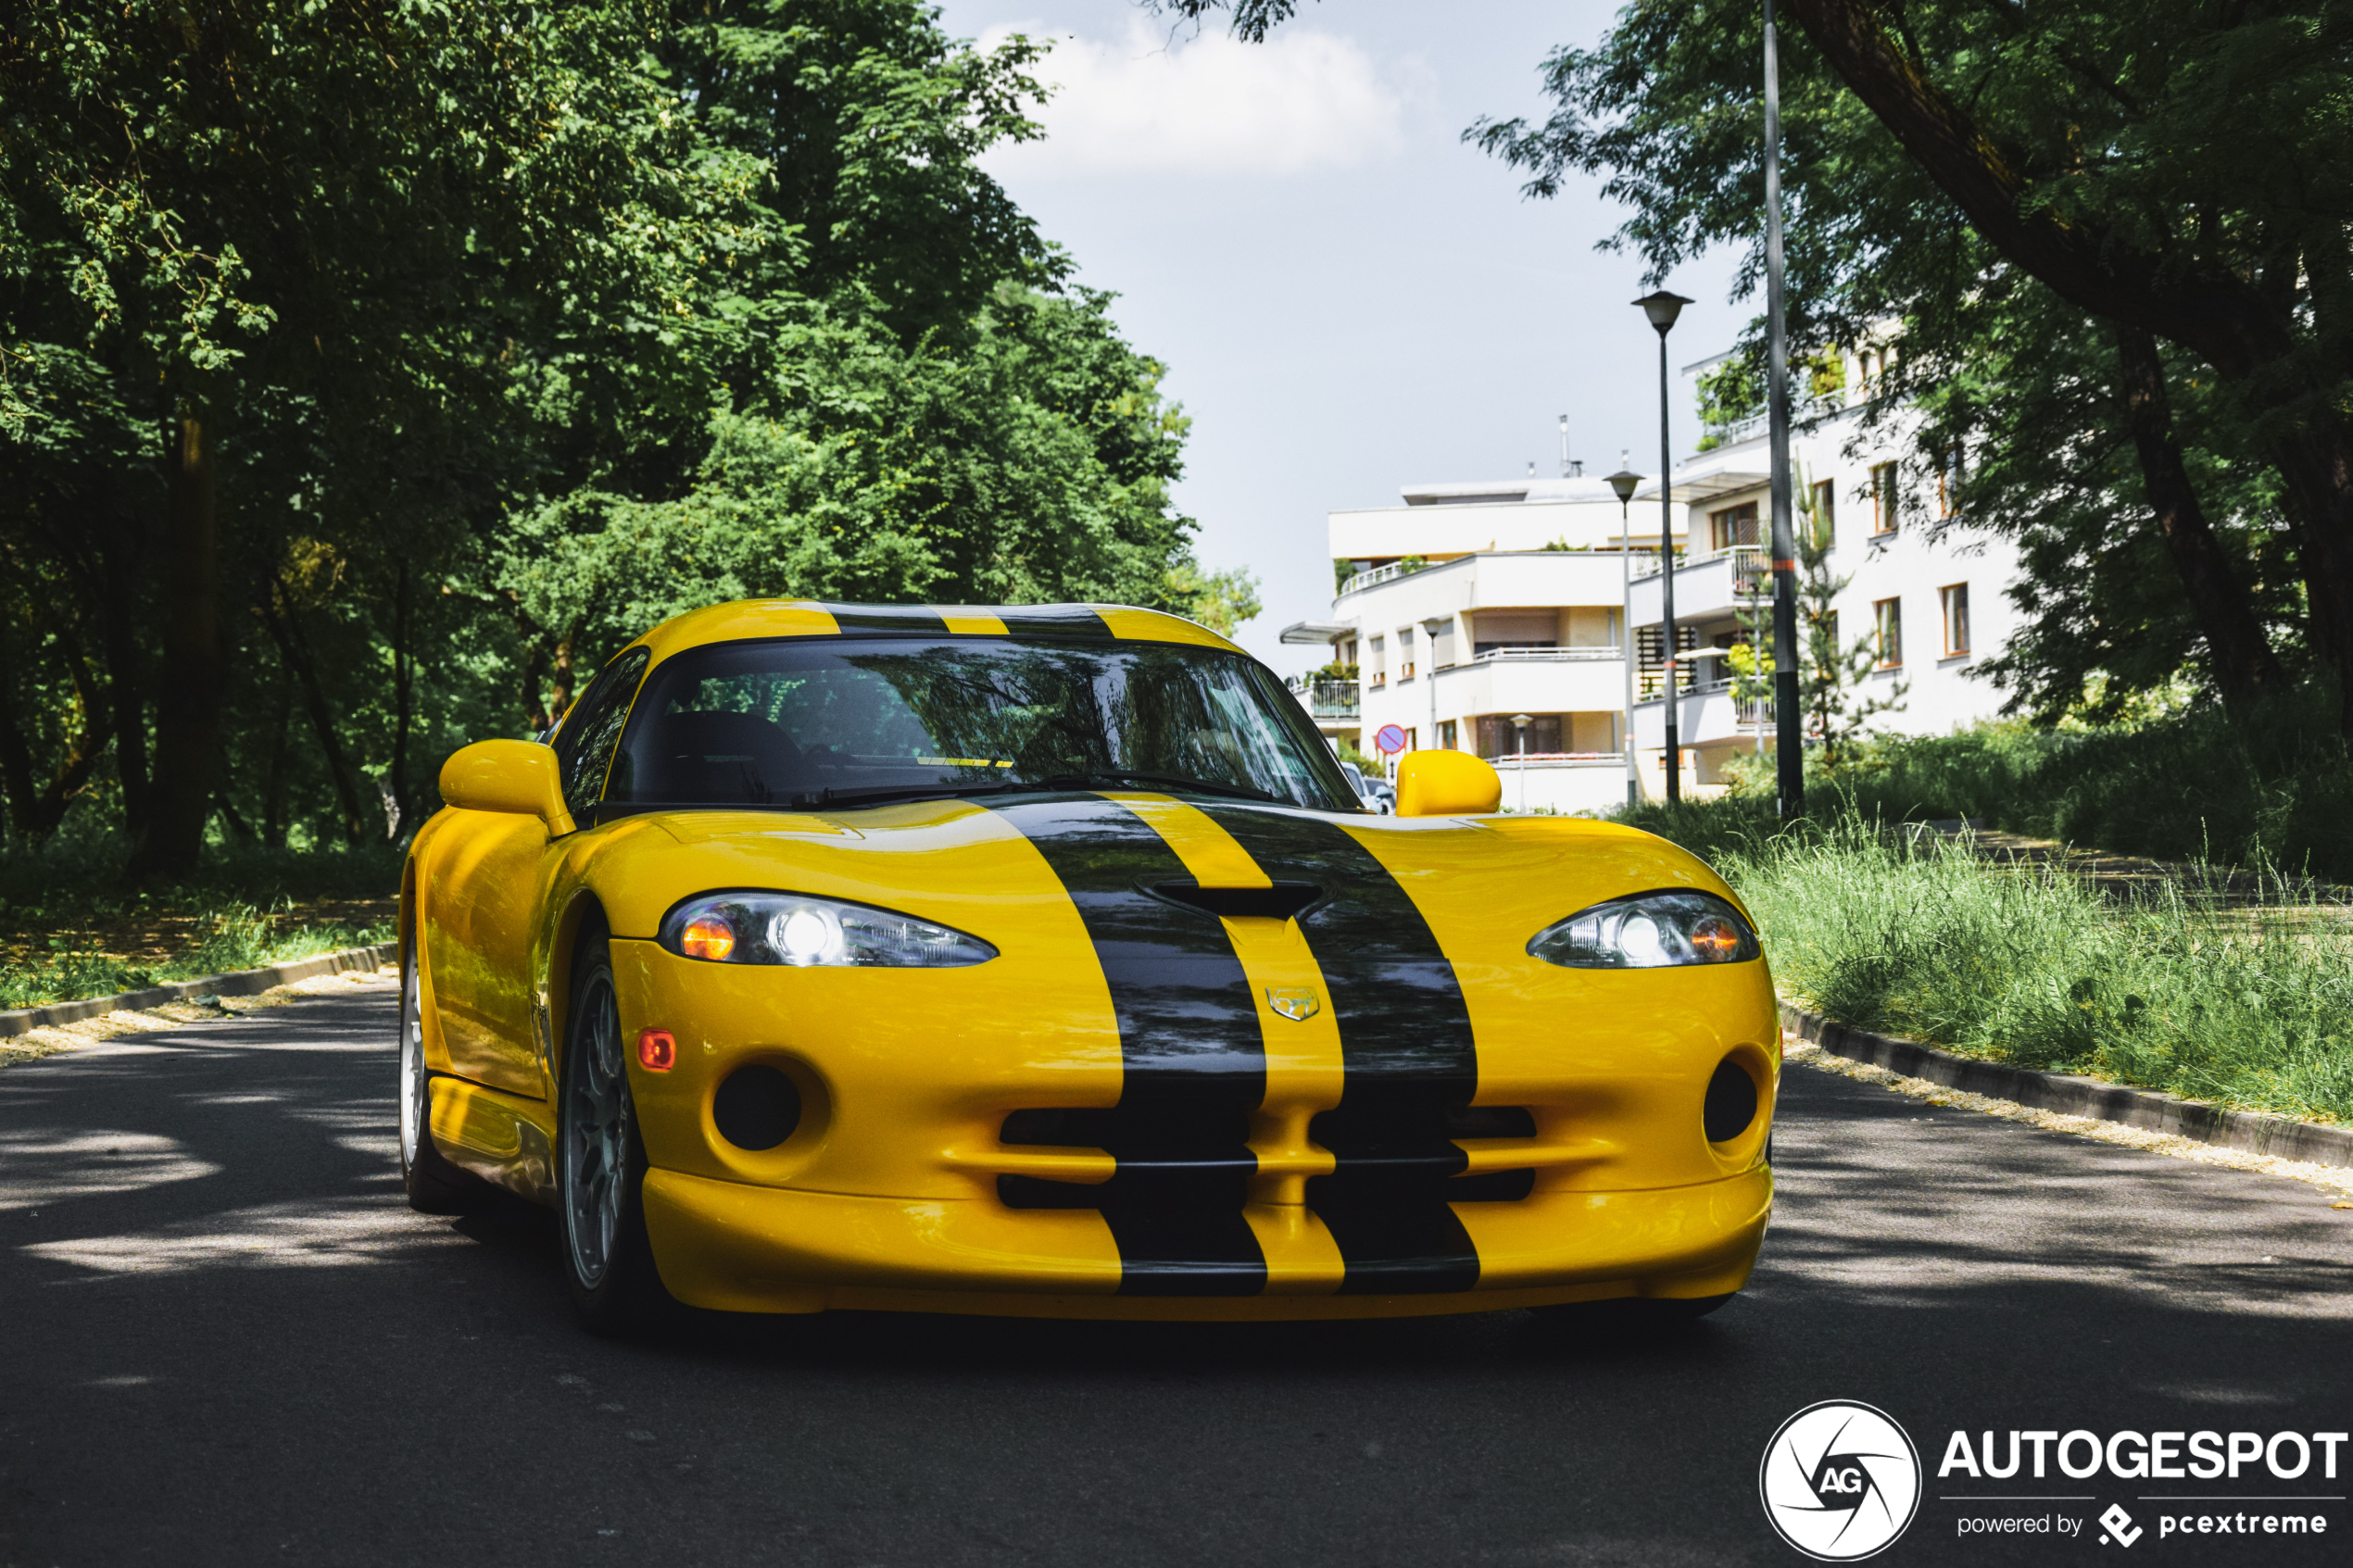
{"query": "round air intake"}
(1730, 1105)
(757, 1106)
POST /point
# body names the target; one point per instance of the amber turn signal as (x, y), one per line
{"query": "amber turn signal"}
(708, 936)
(658, 1050)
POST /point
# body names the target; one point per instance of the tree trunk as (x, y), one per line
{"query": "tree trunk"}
(188, 695)
(404, 687)
(126, 694)
(296, 653)
(2248, 335)
(273, 783)
(2246, 669)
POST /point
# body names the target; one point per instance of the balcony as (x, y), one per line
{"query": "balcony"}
(1711, 587)
(1578, 680)
(1710, 713)
(1327, 699)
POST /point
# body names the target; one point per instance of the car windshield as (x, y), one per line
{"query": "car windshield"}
(804, 724)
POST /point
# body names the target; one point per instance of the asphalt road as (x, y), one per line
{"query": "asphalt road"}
(226, 1340)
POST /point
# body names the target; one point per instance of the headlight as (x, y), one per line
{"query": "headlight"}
(792, 928)
(1648, 931)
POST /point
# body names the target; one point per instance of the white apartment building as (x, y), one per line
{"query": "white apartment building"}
(1474, 606)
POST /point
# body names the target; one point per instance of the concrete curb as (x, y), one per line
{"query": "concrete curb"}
(237, 982)
(2252, 1130)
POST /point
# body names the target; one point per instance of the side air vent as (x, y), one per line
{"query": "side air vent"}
(1284, 900)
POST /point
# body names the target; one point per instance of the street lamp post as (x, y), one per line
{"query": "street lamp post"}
(1624, 481)
(1521, 722)
(1430, 629)
(1662, 307)
(1789, 744)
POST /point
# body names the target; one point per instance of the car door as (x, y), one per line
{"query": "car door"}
(486, 896)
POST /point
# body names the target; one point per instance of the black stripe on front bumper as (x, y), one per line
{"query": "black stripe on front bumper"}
(1194, 1065)
(1407, 1052)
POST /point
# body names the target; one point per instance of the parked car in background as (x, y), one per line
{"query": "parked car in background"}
(1375, 801)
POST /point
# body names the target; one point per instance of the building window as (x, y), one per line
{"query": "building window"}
(1379, 650)
(1446, 736)
(1884, 498)
(1413, 738)
(1404, 653)
(1890, 613)
(1500, 738)
(1732, 527)
(1826, 513)
(1955, 618)
(1948, 482)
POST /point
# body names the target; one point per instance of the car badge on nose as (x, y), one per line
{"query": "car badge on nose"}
(1294, 1002)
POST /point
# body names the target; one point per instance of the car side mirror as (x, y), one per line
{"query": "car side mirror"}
(1447, 783)
(516, 776)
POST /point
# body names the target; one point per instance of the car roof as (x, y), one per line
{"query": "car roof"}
(810, 618)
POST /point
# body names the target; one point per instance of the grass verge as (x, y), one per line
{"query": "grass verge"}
(230, 937)
(1913, 935)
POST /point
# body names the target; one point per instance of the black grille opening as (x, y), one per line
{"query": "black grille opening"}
(1491, 1121)
(1730, 1105)
(1284, 900)
(757, 1107)
(1176, 1157)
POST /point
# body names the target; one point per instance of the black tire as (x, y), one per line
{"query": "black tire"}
(434, 1184)
(600, 1160)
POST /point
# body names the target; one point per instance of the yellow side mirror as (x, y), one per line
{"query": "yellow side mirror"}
(1446, 783)
(517, 776)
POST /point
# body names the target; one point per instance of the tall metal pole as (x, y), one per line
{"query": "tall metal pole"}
(1788, 741)
(1625, 482)
(1667, 580)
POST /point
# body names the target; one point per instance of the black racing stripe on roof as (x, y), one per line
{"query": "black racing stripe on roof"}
(916, 619)
(1407, 1050)
(1056, 620)
(1195, 1064)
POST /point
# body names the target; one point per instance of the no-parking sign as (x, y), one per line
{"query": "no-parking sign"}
(1389, 740)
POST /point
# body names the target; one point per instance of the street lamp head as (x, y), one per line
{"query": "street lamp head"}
(1434, 625)
(1521, 721)
(1623, 481)
(1662, 307)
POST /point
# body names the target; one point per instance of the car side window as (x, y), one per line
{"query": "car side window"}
(586, 740)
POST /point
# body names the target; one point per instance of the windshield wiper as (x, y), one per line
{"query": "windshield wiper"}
(825, 799)
(1170, 780)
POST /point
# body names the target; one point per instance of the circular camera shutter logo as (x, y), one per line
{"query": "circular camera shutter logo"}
(1840, 1481)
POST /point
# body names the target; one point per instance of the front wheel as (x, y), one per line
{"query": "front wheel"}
(608, 1259)
(434, 1185)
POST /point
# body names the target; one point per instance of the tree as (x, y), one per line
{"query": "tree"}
(369, 369)
(2148, 168)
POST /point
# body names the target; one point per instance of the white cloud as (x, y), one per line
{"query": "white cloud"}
(1146, 103)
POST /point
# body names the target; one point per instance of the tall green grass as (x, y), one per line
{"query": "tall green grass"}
(241, 905)
(1911, 934)
(2274, 790)
(231, 938)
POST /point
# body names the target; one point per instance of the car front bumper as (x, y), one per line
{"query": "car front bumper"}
(739, 1247)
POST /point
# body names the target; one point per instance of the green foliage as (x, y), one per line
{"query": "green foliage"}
(1917, 937)
(510, 331)
(2167, 137)
(1733, 391)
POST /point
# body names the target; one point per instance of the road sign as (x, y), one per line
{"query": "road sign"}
(1389, 741)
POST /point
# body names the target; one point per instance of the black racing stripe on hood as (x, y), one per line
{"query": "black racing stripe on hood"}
(912, 619)
(1056, 620)
(1195, 1065)
(1407, 1049)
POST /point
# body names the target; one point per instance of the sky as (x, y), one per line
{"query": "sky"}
(1348, 298)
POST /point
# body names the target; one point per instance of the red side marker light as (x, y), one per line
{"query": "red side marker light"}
(658, 1050)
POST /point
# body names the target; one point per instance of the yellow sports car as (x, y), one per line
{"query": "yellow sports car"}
(1042, 962)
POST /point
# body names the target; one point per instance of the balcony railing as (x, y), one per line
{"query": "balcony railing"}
(1751, 572)
(1544, 656)
(1393, 571)
(1327, 699)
